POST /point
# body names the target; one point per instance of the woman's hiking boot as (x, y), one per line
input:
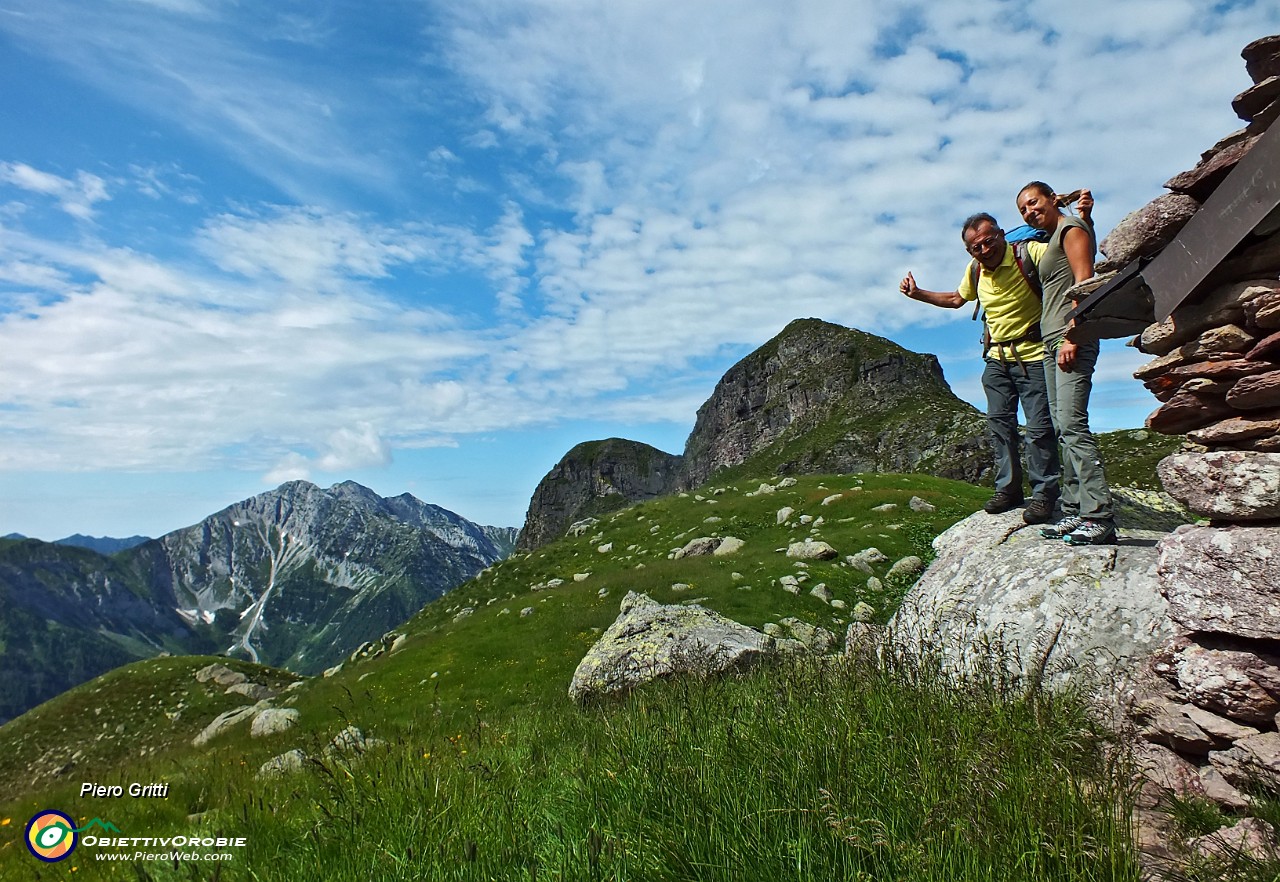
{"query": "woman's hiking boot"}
(1062, 527)
(1092, 533)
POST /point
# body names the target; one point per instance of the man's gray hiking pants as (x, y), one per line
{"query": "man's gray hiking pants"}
(1006, 384)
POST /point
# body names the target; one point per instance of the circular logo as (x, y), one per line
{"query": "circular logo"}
(51, 836)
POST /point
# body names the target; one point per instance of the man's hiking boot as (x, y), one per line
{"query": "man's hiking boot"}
(1039, 510)
(1062, 527)
(1004, 500)
(1092, 533)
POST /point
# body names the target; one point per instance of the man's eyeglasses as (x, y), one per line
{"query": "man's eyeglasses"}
(982, 245)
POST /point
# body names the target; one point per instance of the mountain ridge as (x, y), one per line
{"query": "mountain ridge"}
(299, 576)
(100, 544)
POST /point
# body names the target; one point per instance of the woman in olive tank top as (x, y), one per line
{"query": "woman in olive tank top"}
(1067, 258)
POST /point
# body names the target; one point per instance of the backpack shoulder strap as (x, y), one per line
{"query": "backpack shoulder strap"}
(1022, 257)
(974, 271)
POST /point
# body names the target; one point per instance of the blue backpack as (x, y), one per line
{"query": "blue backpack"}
(1026, 233)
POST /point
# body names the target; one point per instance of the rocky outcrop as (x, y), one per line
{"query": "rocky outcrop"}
(823, 398)
(226, 721)
(1052, 613)
(273, 721)
(650, 640)
(264, 718)
(595, 478)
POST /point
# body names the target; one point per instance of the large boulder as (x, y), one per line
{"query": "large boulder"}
(1223, 580)
(811, 549)
(220, 675)
(223, 722)
(649, 640)
(1228, 485)
(1143, 232)
(273, 721)
(284, 764)
(1047, 611)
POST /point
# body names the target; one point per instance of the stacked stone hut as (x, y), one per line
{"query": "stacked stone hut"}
(1208, 717)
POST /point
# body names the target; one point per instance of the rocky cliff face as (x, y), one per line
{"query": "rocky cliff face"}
(297, 577)
(816, 398)
(823, 398)
(595, 478)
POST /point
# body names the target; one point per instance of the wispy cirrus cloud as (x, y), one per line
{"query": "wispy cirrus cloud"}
(208, 68)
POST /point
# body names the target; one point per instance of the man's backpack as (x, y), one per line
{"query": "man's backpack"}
(1026, 233)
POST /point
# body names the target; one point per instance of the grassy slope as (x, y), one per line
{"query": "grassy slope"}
(462, 674)
(1131, 455)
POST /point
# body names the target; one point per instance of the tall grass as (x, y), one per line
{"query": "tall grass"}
(808, 771)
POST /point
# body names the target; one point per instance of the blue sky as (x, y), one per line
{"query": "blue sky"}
(430, 246)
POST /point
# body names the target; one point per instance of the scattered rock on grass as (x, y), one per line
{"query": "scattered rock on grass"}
(284, 764)
(649, 640)
(811, 549)
(272, 721)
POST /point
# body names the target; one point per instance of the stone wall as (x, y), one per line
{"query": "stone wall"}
(1207, 722)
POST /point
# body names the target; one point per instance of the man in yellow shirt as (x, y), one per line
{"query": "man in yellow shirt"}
(1014, 371)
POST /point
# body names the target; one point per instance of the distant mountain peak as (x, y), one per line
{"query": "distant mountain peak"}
(103, 544)
(817, 397)
(296, 577)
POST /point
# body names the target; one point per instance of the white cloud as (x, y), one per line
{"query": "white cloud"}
(76, 197)
(147, 365)
(292, 467)
(308, 248)
(360, 446)
(355, 448)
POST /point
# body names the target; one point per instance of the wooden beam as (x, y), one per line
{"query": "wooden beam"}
(1242, 201)
(1120, 308)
